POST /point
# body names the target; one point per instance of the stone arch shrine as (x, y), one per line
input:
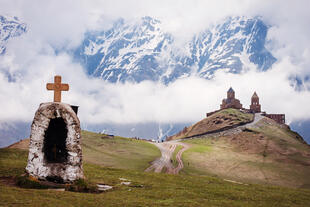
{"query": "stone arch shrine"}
(55, 153)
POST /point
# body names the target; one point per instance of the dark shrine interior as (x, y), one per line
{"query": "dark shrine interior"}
(54, 148)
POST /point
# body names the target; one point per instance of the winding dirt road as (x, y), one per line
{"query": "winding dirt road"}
(165, 161)
(179, 158)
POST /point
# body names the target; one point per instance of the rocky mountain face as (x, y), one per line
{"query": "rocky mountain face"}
(138, 51)
(10, 27)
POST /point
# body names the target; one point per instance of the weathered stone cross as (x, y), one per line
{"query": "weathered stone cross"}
(57, 87)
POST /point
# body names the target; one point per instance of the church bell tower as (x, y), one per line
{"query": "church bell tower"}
(255, 107)
(231, 93)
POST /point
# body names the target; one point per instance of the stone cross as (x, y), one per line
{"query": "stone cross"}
(57, 87)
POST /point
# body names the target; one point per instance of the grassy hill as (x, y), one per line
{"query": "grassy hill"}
(220, 120)
(118, 152)
(268, 154)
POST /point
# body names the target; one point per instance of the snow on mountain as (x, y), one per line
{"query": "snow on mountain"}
(127, 52)
(10, 27)
(141, 50)
(231, 45)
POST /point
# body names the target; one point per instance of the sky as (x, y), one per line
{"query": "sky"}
(60, 24)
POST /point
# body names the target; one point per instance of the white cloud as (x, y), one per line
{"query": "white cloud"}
(54, 24)
(182, 101)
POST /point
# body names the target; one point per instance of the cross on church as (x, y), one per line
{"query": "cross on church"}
(57, 87)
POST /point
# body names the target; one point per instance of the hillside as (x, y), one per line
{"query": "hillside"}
(146, 189)
(118, 152)
(219, 121)
(266, 153)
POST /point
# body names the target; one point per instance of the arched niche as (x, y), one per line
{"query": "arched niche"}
(55, 152)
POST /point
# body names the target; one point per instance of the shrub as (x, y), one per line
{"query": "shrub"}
(81, 185)
(29, 182)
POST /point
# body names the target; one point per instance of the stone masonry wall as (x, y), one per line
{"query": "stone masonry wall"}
(37, 164)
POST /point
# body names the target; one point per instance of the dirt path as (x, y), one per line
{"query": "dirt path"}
(179, 158)
(165, 161)
(257, 118)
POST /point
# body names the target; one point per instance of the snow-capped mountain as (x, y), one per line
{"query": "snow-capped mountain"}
(138, 51)
(10, 27)
(230, 46)
(126, 51)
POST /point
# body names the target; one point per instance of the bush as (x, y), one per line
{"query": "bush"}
(81, 185)
(29, 182)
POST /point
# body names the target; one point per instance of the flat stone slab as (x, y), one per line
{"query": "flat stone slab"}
(103, 187)
(125, 183)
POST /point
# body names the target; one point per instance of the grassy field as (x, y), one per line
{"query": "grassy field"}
(269, 154)
(147, 189)
(118, 152)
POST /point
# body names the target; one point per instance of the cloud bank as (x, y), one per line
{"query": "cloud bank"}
(32, 60)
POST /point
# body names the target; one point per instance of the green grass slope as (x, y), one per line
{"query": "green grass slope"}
(268, 154)
(147, 189)
(118, 152)
(220, 120)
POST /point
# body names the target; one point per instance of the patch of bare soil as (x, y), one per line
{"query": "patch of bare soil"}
(10, 181)
(22, 144)
(252, 143)
(256, 143)
(215, 122)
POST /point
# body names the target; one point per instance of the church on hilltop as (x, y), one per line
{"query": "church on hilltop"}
(231, 101)
(255, 107)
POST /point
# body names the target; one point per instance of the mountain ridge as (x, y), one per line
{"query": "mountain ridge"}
(143, 51)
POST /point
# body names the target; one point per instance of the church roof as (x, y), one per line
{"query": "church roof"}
(255, 95)
(231, 90)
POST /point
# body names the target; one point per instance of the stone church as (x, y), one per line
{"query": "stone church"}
(255, 107)
(231, 101)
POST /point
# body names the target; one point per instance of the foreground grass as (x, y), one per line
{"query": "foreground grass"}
(147, 189)
(118, 152)
(12, 162)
